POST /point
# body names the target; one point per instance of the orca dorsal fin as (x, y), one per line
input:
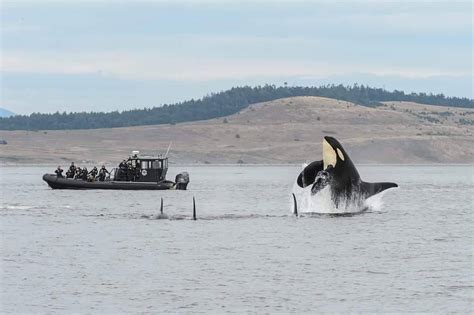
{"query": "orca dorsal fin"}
(370, 189)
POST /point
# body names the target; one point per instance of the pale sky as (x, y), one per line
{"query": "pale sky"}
(116, 55)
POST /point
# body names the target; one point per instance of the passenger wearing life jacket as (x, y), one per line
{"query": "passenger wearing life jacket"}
(123, 170)
(78, 173)
(59, 172)
(84, 174)
(103, 173)
(136, 173)
(72, 171)
(92, 174)
(129, 171)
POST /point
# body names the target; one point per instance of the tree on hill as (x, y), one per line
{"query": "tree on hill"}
(218, 105)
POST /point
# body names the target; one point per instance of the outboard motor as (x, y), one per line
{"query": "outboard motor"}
(182, 181)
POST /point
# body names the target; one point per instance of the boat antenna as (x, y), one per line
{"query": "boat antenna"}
(169, 147)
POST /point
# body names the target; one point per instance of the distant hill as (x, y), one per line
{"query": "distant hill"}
(6, 113)
(288, 130)
(220, 105)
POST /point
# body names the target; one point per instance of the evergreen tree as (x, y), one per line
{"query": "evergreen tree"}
(218, 105)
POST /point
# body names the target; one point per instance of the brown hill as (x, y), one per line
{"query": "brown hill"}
(282, 131)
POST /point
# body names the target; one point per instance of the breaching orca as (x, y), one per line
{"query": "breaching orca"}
(336, 174)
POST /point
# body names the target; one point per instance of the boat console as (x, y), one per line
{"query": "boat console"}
(141, 168)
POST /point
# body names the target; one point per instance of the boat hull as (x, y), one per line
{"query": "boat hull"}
(69, 183)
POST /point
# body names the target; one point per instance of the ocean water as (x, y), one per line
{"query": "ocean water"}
(66, 251)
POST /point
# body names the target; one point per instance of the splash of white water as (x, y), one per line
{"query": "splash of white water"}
(375, 202)
(322, 202)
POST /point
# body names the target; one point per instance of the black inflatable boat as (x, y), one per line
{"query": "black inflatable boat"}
(136, 173)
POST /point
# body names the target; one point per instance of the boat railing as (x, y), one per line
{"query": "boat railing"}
(112, 174)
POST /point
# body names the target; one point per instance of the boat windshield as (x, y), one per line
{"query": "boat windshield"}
(156, 164)
(144, 165)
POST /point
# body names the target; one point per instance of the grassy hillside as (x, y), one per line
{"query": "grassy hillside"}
(286, 130)
(219, 105)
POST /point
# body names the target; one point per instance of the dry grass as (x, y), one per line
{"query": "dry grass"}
(282, 131)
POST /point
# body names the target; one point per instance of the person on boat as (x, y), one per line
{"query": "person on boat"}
(136, 173)
(123, 164)
(84, 174)
(78, 173)
(123, 170)
(103, 173)
(92, 174)
(72, 171)
(59, 172)
(129, 171)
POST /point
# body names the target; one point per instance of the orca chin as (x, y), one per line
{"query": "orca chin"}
(335, 182)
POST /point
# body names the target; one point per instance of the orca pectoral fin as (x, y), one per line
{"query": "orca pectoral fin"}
(371, 189)
(308, 175)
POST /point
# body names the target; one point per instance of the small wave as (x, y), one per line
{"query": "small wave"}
(217, 217)
(377, 272)
(18, 207)
(252, 216)
(460, 287)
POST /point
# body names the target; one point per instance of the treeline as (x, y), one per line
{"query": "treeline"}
(218, 105)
